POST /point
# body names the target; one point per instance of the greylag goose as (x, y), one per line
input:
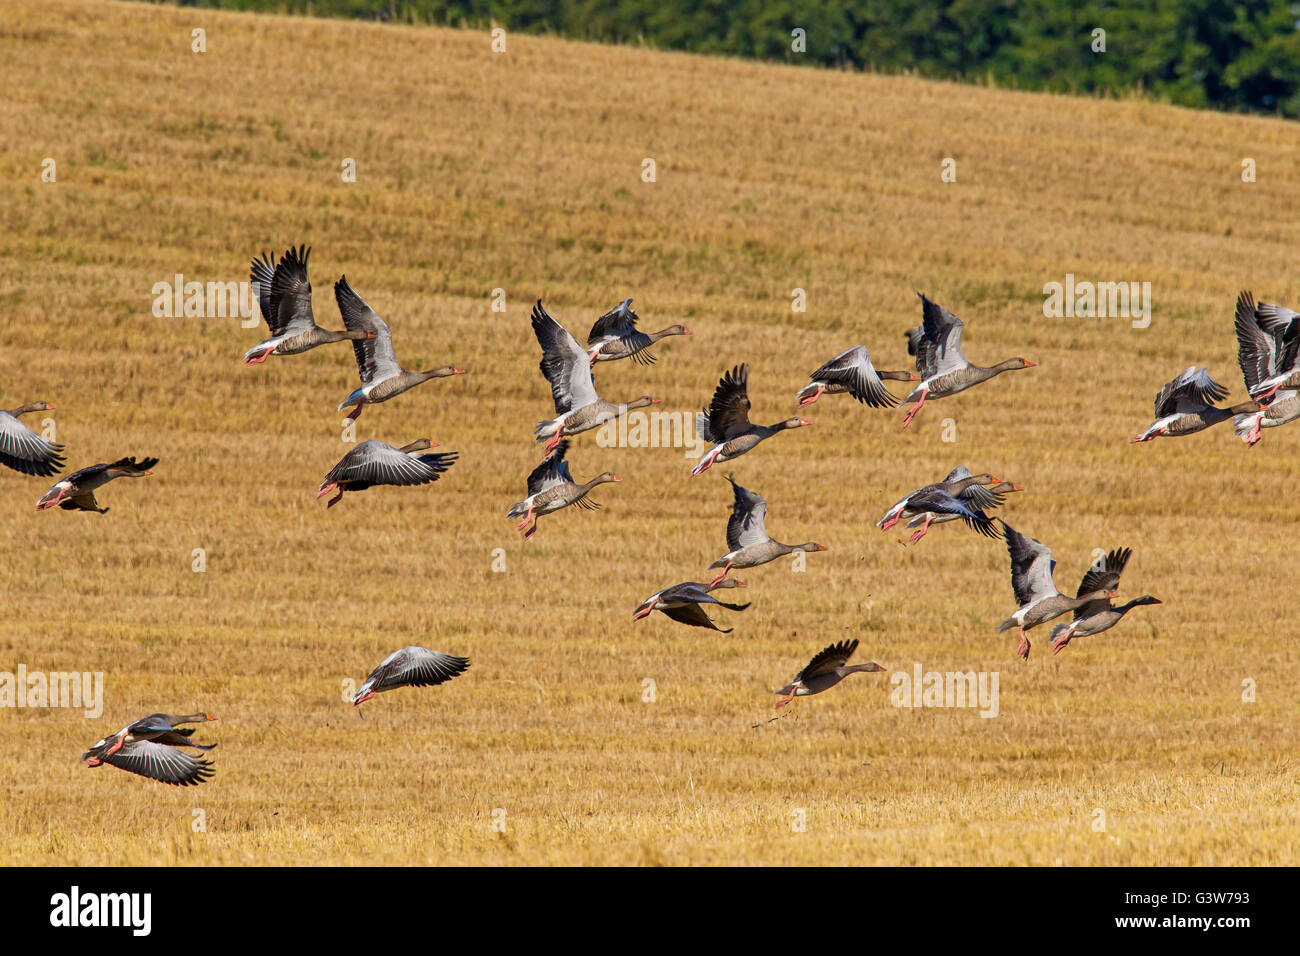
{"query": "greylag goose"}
(567, 367)
(1099, 615)
(77, 491)
(148, 747)
(379, 463)
(944, 370)
(725, 422)
(747, 536)
(284, 297)
(412, 666)
(1268, 351)
(615, 336)
(1036, 593)
(1186, 405)
(960, 495)
(681, 602)
(551, 487)
(381, 375)
(22, 449)
(824, 671)
(851, 371)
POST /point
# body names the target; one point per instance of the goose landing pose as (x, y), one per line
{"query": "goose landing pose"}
(748, 538)
(944, 370)
(412, 666)
(77, 491)
(1031, 580)
(567, 367)
(681, 602)
(1099, 615)
(147, 747)
(379, 463)
(551, 487)
(1186, 405)
(851, 371)
(615, 336)
(22, 449)
(284, 297)
(381, 376)
(726, 425)
(824, 671)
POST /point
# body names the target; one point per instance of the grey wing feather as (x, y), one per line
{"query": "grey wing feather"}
(379, 463)
(746, 526)
(852, 368)
(417, 667)
(825, 661)
(565, 363)
(291, 292)
(376, 360)
(1031, 566)
(160, 762)
(23, 450)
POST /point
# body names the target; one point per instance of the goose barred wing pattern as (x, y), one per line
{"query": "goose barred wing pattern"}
(553, 470)
(376, 359)
(415, 667)
(728, 413)
(23, 450)
(825, 661)
(160, 762)
(1031, 567)
(852, 368)
(1190, 390)
(620, 323)
(291, 292)
(564, 363)
(746, 527)
(379, 463)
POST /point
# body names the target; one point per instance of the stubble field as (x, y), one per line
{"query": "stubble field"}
(522, 171)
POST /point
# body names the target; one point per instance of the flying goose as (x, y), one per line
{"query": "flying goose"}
(412, 666)
(551, 487)
(379, 463)
(960, 495)
(148, 747)
(681, 602)
(824, 671)
(1268, 351)
(615, 336)
(725, 422)
(22, 449)
(1036, 593)
(944, 370)
(568, 368)
(851, 371)
(77, 491)
(1186, 405)
(284, 297)
(381, 376)
(1099, 614)
(747, 536)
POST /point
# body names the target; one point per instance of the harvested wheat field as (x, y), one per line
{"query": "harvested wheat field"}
(578, 736)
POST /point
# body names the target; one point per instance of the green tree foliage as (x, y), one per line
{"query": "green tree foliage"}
(1240, 55)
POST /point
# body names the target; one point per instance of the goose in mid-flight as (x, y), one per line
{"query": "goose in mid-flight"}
(615, 336)
(382, 377)
(284, 297)
(568, 369)
(944, 370)
(1268, 351)
(1185, 405)
(378, 463)
(851, 371)
(1099, 614)
(148, 747)
(824, 671)
(960, 495)
(1035, 591)
(684, 603)
(747, 536)
(22, 449)
(725, 422)
(412, 666)
(77, 491)
(551, 487)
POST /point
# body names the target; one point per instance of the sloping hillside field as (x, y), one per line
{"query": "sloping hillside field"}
(782, 215)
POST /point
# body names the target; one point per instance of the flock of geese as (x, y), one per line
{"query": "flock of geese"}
(1268, 339)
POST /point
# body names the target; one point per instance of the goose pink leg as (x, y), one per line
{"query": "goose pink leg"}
(721, 575)
(915, 408)
(555, 440)
(1023, 648)
(924, 528)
